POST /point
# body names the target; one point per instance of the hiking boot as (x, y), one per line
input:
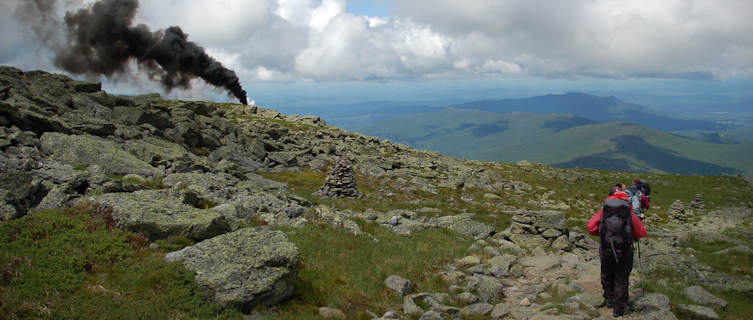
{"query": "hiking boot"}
(605, 303)
(618, 314)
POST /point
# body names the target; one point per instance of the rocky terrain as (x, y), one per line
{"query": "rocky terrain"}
(207, 172)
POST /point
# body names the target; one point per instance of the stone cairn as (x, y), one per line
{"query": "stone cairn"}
(341, 182)
(677, 212)
(540, 228)
(697, 203)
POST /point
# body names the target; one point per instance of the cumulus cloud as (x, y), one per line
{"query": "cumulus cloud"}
(289, 40)
(608, 38)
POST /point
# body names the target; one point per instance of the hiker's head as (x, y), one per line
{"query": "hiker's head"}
(637, 181)
(614, 190)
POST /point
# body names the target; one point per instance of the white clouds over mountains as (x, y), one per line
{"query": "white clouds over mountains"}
(283, 40)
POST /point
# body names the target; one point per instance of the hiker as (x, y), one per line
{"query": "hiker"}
(638, 198)
(616, 227)
(645, 188)
(634, 199)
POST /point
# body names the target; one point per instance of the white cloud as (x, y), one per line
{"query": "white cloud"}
(290, 40)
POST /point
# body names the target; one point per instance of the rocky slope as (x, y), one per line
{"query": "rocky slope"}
(202, 171)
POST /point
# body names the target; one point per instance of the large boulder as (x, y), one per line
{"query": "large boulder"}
(464, 224)
(86, 150)
(18, 194)
(164, 153)
(162, 213)
(244, 268)
(699, 295)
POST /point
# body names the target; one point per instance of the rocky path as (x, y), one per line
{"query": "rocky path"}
(506, 279)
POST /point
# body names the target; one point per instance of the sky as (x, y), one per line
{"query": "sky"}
(292, 51)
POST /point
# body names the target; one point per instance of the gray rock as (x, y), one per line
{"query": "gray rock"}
(658, 315)
(529, 241)
(244, 268)
(697, 312)
(476, 309)
(585, 299)
(468, 261)
(410, 307)
(466, 298)
(390, 315)
(330, 313)
(399, 284)
(464, 224)
(500, 311)
(541, 263)
(479, 269)
(698, 295)
(503, 262)
(487, 288)
(18, 193)
(7, 212)
(651, 302)
(158, 152)
(161, 213)
(55, 198)
(551, 233)
(561, 243)
(86, 150)
(86, 86)
(431, 315)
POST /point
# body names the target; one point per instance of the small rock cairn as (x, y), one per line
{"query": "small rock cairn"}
(697, 203)
(677, 211)
(340, 183)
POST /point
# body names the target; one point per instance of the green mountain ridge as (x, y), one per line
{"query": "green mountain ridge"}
(562, 140)
(601, 109)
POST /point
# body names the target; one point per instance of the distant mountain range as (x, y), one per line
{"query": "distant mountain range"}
(569, 130)
(601, 109)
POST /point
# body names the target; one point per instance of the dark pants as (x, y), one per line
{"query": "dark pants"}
(615, 277)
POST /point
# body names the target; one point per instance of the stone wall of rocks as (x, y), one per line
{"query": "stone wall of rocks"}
(547, 229)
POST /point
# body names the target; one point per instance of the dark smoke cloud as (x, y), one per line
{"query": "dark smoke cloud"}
(101, 40)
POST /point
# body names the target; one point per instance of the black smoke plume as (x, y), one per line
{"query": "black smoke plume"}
(101, 40)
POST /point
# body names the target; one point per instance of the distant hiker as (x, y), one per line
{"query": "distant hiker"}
(616, 227)
(638, 199)
(646, 189)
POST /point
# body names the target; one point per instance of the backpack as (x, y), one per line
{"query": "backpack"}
(645, 201)
(636, 199)
(646, 189)
(616, 228)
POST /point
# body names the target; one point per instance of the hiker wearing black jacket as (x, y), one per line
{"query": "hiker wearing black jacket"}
(616, 227)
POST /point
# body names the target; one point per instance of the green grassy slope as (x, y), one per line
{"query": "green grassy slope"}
(563, 140)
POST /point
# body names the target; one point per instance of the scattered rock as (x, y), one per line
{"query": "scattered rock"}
(244, 268)
(431, 315)
(468, 261)
(399, 284)
(698, 295)
(161, 213)
(697, 312)
(85, 150)
(476, 309)
(500, 311)
(330, 313)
